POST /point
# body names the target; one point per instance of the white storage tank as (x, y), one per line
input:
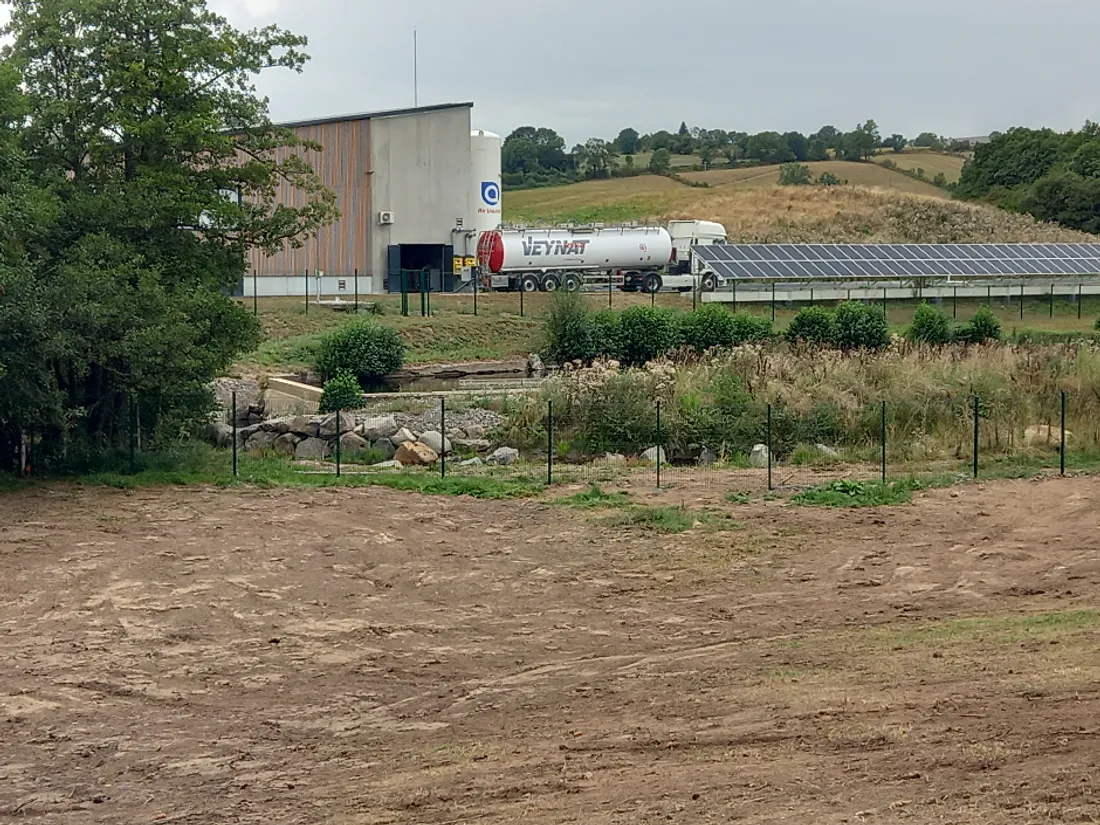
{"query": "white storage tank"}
(485, 197)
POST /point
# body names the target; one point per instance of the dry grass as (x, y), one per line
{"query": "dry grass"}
(931, 162)
(857, 174)
(840, 214)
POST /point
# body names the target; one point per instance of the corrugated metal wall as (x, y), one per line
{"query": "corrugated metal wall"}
(344, 167)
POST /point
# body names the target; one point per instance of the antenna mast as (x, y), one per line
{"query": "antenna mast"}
(416, 74)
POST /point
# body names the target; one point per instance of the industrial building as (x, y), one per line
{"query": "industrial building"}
(413, 186)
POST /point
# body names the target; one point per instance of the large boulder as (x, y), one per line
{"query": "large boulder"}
(436, 441)
(245, 433)
(384, 447)
(827, 451)
(1044, 435)
(378, 426)
(402, 436)
(287, 444)
(260, 441)
(614, 460)
(504, 457)
(328, 425)
(387, 465)
(655, 454)
(306, 426)
(416, 454)
(352, 446)
(474, 431)
(760, 456)
(277, 425)
(311, 449)
(707, 457)
(219, 435)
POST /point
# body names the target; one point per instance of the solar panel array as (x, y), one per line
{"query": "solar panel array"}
(765, 262)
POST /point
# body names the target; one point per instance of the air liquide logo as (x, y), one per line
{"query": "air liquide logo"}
(534, 247)
(490, 192)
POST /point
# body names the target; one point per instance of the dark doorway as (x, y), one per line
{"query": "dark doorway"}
(435, 258)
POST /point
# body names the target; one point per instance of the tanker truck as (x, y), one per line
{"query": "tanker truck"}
(647, 258)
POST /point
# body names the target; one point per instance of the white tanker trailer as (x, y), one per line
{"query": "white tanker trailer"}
(633, 258)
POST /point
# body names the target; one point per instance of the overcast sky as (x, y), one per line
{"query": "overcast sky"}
(590, 67)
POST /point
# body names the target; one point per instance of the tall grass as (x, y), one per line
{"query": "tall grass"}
(721, 400)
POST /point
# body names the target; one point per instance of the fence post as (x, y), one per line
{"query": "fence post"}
(770, 485)
(338, 442)
(653, 298)
(694, 294)
(1062, 460)
(133, 435)
(428, 291)
(884, 313)
(884, 441)
(476, 271)
(955, 303)
(423, 295)
(658, 444)
(811, 296)
(610, 279)
(307, 291)
(1051, 300)
(1021, 301)
(989, 295)
(773, 302)
(443, 433)
(356, 290)
(734, 282)
(404, 293)
(521, 312)
(233, 411)
(549, 443)
(1078, 302)
(255, 293)
(977, 412)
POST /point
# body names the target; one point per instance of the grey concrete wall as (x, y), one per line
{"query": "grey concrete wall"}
(421, 172)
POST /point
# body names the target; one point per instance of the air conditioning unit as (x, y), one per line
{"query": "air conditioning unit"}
(385, 218)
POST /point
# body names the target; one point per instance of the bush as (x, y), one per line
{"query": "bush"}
(646, 333)
(813, 325)
(566, 331)
(795, 174)
(607, 333)
(362, 348)
(859, 326)
(341, 393)
(930, 326)
(983, 327)
(1096, 326)
(715, 326)
(829, 179)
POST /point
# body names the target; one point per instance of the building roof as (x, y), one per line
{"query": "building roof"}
(416, 110)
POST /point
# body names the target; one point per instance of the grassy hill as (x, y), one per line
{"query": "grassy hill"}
(764, 213)
(857, 174)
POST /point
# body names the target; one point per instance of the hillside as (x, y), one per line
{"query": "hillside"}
(857, 174)
(932, 163)
(844, 214)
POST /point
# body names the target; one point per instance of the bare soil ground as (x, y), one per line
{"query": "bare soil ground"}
(210, 656)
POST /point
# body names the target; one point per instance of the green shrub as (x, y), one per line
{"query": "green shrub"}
(341, 393)
(1096, 326)
(794, 174)
(566, 331)
(829, 179)
(813, 325)
(859, 326)
(606, 330)
(983, 327)
(362, 348)
(715, 326)
(930, 326)
(647, 333)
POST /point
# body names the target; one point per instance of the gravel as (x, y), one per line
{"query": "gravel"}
(430, 420)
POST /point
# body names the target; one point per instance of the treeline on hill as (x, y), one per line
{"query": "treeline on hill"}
(117, 245)
(1050, 175)
(536, 156)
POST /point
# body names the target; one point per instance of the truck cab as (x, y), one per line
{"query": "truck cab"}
(682, 271)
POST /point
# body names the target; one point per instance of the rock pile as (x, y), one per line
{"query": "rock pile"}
(314, 438)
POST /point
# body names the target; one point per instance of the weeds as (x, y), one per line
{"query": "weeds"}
(858, 494)
(662, 519)
(595, 498)
(738, 498)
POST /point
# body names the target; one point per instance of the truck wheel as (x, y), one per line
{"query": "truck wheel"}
(710, 282)
(652, 283)
(529, 283)
(573, 283)
(550, 283)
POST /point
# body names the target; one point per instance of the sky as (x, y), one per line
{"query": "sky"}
(588, 68)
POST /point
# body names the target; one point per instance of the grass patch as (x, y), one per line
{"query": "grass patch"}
(739, 498)
(669, 520)
(859, 494)
(204, 466)
(1005, 630)
(595, 498)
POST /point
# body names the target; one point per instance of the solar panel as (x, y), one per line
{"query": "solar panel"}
(890, 261)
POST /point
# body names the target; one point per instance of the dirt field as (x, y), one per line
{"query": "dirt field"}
(206, 656)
